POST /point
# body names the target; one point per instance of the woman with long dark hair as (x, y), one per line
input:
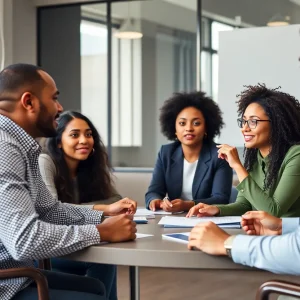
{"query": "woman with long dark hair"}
(270, 177)
(76, 170)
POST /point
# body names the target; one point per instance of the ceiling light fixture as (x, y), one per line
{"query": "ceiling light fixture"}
(278, 20)
(130, 29)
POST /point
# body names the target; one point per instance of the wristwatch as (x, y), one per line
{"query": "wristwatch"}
(102, 217)
(228, 245)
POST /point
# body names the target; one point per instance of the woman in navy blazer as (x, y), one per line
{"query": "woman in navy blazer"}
(188, 171)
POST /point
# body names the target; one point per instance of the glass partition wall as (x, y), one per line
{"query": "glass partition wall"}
(143, 72)
(122, 83)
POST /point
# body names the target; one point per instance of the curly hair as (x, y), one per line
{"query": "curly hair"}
(93, 174)
(179, 101)
(283, 110)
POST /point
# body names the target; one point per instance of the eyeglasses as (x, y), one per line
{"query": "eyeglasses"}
(252, 123)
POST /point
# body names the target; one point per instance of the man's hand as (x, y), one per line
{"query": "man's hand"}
(155, 204)
(209, 238)
(123, 206)
(261, 223)
(117, 229)
(203, 210)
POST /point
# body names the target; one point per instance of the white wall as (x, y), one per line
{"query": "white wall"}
(20, 35)
(24, 32)
(251, 56)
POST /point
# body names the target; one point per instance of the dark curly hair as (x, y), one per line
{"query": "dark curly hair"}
(93, 174)
(283, 110)
(179, 101)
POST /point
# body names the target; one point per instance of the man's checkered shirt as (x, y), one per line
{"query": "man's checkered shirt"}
(34, 225)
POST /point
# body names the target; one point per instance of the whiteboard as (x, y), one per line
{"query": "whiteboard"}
(249, 56)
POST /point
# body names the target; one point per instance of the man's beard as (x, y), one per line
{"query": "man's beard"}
(44, 123)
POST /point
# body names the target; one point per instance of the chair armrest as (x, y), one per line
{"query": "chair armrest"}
(278, 287)
(35, 274)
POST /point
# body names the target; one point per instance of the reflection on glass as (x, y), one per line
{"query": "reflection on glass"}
(163, 63)
(215, 79)
(94, 74)
(206, 72)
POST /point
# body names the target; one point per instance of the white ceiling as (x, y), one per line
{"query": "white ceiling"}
(296, 1)
(189, 4)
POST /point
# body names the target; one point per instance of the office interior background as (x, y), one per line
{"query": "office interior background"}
(119, 83)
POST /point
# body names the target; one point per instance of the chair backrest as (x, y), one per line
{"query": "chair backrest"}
(33, 273)
(277, 287)
(133, 185)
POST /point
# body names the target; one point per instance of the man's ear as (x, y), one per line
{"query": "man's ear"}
(28, 101)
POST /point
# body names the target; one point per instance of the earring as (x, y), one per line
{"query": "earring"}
(93, 152)
(205, 135)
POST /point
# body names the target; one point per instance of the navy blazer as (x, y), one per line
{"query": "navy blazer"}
(212, 181)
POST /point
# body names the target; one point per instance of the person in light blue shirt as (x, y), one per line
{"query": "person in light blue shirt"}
(260, 248)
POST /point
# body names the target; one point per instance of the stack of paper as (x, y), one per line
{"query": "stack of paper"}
(143, 212)
(182, 222)
(149, 214)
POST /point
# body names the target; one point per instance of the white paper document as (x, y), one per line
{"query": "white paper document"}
(162, 212)
(144, 212)
(182, 222)
(151, 214)
(142, 235)
(181, 237)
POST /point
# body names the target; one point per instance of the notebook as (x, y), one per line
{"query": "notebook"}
(182, 222)
(140, 220)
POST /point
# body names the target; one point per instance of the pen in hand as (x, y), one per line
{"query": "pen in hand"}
(167, 201)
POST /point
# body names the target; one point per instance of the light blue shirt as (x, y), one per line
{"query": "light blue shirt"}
(278, 254)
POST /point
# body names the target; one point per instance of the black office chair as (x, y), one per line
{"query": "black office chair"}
(278, 287)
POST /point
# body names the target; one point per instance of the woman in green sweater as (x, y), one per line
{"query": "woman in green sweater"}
(270, 178)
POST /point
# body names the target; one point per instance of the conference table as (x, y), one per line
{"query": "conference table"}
(154, 251)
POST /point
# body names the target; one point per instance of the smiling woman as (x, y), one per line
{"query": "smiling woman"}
(79, 160)
(270, 179)
(188, 170)
(76, 170)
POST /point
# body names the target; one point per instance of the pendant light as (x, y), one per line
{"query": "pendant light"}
(130, 29)
(278, 20)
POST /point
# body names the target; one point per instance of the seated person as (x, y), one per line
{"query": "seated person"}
(262, 249)
(77, 171)
(33, 224)
(270, 177)
(189, 170)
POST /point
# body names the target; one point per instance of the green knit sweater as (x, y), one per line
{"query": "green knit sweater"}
(282, 200)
